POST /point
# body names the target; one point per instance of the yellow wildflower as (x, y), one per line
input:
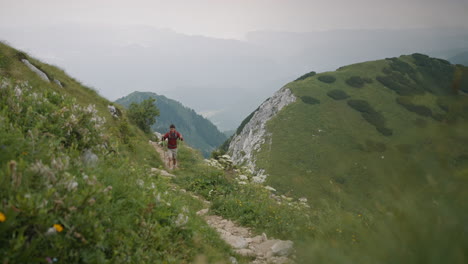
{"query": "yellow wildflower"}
(58, 227)
(2, 217)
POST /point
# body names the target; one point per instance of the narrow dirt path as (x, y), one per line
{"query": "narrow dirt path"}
(258, 247)
(162, 153)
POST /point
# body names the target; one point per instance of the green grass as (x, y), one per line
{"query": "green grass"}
(332, 159)
(113, 212)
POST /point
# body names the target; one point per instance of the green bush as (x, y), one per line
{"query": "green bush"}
(327, 78)
(437, 74)
(418, 109)
(338, 94)
(401, 66)
(310, 100)
(370, 115)
(400, 84)
(356, 81)
(307, 75)
(143, 114)
(361, 106)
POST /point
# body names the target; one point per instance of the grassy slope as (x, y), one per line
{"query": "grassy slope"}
(125, 224)
(336, 152)
(384, 197)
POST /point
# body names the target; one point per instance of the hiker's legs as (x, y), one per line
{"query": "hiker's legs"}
(175, 162)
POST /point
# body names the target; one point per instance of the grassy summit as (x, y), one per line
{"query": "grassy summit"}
(379, 148)
(384, 117)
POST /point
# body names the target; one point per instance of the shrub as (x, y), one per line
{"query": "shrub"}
(143, 114)
(401, 66)
(400, 84)
(360, 105)
(310, 100)
(370, 115)
(327, 79)
(355, 81)
(437, 74)
(307, 75)
(338, 94)
(418, 109)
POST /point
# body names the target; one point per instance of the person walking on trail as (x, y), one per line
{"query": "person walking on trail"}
(172, 136)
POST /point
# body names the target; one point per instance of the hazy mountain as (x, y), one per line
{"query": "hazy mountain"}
(222, 79)
(198, 131)
(461, 58)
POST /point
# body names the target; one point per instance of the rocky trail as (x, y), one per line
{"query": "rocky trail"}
(260, 248)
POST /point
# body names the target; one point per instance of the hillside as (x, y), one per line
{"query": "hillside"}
(385, 139)
(198, 131)
(77, 180)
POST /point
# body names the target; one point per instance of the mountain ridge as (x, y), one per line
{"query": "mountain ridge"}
(197, 130)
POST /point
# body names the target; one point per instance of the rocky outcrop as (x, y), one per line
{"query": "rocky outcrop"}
(33, 68)
(244, 145)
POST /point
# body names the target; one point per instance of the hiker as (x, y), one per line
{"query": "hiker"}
(172, 137)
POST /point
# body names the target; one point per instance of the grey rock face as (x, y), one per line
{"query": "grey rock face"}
(36, 70)
(58, 82)
(254, 134)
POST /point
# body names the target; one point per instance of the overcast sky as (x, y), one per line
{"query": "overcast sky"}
(119, 46)
(234, 18)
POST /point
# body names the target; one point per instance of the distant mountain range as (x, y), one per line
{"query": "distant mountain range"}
(461, 58)
(198, 131)
(195, 69)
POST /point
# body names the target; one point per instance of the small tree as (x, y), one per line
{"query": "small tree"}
(143, 114)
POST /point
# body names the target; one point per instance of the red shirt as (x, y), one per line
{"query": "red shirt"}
(172, 136)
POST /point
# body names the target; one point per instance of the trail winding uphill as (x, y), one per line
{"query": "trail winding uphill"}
(244, 242)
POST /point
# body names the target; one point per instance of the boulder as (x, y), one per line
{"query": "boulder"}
(58, 83)
(282, 248)
(33, 68)
(114, 111)
(203, 212)
(245, 252)
(162, 172)
(236, 242)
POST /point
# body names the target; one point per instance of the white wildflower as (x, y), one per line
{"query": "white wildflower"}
(140, 182)
(72, 186)
(181, 220)
(51, 231)
(18, 91)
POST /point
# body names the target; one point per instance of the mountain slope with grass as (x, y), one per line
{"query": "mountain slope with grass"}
(76, 179)
(198, 131)
(380, 143)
